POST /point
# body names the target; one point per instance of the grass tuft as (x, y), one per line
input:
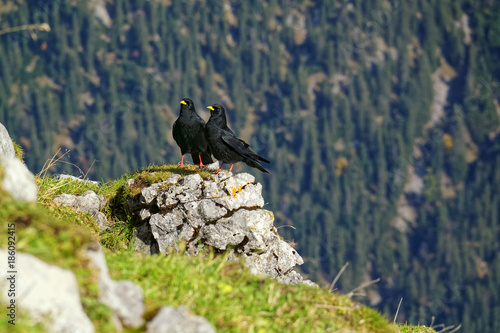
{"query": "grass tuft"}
(18, 151)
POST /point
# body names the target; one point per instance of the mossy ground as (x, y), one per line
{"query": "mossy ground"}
(224, 292)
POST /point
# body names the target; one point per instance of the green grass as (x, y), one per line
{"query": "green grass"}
(416, 329)
(233, 300)
(224, 292)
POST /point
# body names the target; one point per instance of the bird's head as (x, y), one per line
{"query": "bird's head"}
(217, 110)
(187, 104)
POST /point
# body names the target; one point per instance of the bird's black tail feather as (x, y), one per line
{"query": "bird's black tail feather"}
(255, 164)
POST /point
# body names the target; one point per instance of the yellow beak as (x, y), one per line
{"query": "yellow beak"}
(182, 102)
(211, 108)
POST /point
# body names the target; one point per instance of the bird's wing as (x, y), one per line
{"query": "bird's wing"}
(176, 132)
(240, 147)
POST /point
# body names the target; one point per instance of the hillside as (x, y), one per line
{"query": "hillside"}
(380, 118)
(225, 292)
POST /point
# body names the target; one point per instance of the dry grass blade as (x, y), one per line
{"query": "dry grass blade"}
(445, 329)
(58, 159)
(286, 225)
(364, 285)
(50, 163)
(397, 311)
(337, 277)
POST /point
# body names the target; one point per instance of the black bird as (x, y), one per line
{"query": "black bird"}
(225, 146)
(189, 133)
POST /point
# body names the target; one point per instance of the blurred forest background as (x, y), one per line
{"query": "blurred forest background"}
(381, 119)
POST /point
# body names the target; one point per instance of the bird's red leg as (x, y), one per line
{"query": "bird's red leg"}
(201, 162)
(231, 168)
(216, 172)
(182, 161)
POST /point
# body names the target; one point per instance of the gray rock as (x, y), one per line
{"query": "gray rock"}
(129, 183)
(295, 278)
(222, 176)
(254, 227)
(144, 214)
(186, 233)
(18, 180)
(161, 223)
(165, 228)
(224, 213)
(210, 189)
(178, 320)
(123, 297)
(48, 294)
(199, 213)
(148, 194)
(6, 145)
(192, 182)
(174, 179)
(89, 202)
(278, 259)
(102, 221)
(213, 166)
(249, 196)
(144, 241)
(78, 179)
(169, 198)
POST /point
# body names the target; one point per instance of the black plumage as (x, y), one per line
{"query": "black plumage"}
(225, 145)
(188, 132)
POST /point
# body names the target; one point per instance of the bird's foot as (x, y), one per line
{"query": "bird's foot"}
(216, 172)
(201, 161)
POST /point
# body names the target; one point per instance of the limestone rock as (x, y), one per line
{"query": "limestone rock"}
(89, 202)
(6, 146)
(224, 212)
(18, 180)
(148, 194)
(102, 221)
(49, 294)
(144, 241)
(123, 297)
(178, 320)
(78, 179)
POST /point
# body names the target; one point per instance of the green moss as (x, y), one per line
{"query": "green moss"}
(19, 151)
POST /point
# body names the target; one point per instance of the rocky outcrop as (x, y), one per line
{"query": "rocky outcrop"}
(78, 179)
(123, 297)
(89, 202)
(16, 179)
(6, 146)
(178, 320)
(223, 212)
(49, 294)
